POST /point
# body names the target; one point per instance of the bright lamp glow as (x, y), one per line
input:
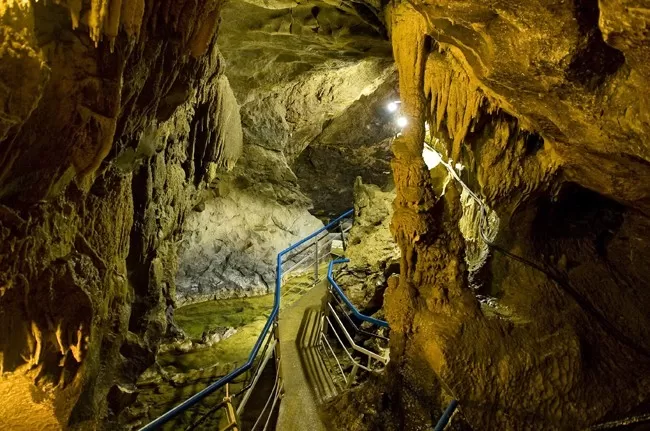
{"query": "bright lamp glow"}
(402, 122)
(431, 157)
(392, 106)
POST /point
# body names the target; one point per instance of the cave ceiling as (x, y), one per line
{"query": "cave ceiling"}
(270, 42)
(573, 71)
(294, 67)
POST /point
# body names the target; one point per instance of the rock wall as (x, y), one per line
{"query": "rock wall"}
(312, 80)
(354, 144)
(304, 76)
(231, 244)
(549, 118)
(107, 138)
(373, 254)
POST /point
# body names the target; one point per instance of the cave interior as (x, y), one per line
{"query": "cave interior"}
(491, 161)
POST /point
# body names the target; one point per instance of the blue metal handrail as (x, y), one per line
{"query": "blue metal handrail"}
(199, 396)
(345, 299)
(444, 419)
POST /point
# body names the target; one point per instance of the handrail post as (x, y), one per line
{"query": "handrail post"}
(352, 376)
(324, 312)
(316, 263)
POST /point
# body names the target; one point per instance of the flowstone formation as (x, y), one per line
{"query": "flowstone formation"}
(114, 117)
(543, 104)
(374, 255)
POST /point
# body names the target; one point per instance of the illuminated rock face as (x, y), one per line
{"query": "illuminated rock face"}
(312, 80)
(116, 119)
(103, 150)
(551, 122)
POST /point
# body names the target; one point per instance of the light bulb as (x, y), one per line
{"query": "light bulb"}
(392, 106)
(402, 122)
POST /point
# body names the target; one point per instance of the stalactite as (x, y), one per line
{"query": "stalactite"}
(455, 99)
(131, 17)
(75, 12)
(112, 22)
(105, 17)
(98, 11)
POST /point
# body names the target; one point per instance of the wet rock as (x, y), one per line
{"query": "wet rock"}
(230, 248)
(374, 255)
(215, 335)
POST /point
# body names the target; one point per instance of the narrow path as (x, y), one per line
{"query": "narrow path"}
(299, 409)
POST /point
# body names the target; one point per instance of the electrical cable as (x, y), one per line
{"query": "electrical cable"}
(559, 280)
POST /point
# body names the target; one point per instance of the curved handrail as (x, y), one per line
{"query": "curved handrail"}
(345, 299)
(444, 419)
(199, 396)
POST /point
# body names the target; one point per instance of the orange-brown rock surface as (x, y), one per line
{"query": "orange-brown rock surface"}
(545, 105)
(116, 116)
(111, 121)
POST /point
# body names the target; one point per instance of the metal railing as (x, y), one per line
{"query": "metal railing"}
(299, 257)
(338, 304)
(308, 253)
(446, 416)
(337, 323)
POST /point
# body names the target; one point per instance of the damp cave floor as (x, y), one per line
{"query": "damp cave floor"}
(302, 372)
(189, 372)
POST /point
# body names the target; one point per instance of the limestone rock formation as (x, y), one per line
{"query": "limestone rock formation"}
(545, 105)
(121, 140)
(106, 139)
(354, 144)
(373, 254)
(231, 245)
(312, 76)
(304, 76)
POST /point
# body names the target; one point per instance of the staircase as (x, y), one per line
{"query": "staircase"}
(306, 354)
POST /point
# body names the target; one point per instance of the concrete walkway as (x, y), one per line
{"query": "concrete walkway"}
(297, 326)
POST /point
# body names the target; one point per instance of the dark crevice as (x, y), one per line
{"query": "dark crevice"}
(200, 143)
(370, 17)
(138, 261)
(533, 142)
(593, 60)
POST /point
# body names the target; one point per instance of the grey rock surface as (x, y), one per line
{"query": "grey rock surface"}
(374, 255)
(230, 247)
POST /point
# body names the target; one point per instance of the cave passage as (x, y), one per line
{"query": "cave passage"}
(359, 215)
